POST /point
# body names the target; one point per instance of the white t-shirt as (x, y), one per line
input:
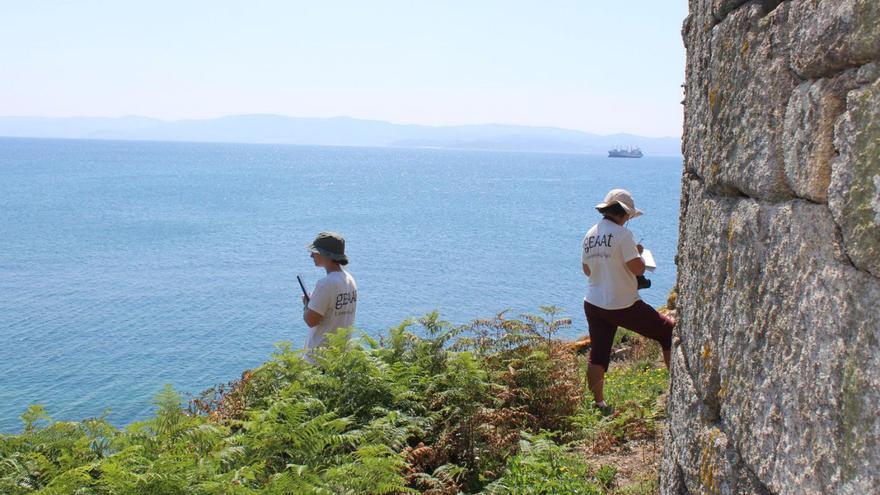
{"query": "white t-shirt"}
(606, 249)
(334, 298)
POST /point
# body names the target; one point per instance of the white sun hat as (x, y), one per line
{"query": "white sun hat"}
(624, 199)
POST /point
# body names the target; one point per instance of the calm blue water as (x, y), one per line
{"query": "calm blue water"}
(128, 265)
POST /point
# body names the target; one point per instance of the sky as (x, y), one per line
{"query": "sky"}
(591, 65)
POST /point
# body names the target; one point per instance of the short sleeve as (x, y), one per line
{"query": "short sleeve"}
(628, 248)
(584, 251)
(319, 301)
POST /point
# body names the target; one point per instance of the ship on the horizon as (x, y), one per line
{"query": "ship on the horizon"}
(625, 153)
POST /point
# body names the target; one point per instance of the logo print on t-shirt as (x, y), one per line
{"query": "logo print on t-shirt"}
(346, 298)
(597, 240)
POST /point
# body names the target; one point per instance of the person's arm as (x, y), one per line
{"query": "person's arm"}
(312, 317)
(636, 266)
(631, 255)
(314, 312)
(586, 267)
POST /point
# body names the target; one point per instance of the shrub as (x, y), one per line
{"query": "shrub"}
(428, 408)
(544, 468)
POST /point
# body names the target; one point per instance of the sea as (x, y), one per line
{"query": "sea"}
(126, 265)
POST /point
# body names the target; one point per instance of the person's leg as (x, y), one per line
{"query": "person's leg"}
(644, 320)
(596, 382)
(601, 336)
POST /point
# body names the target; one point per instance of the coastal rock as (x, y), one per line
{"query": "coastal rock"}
(743, 72)
(775, 380)
(831, 35)
(808, 135)
(855, 186)
(709, 456)
(720, 8)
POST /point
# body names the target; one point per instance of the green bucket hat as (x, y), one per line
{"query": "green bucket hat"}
(331, 245)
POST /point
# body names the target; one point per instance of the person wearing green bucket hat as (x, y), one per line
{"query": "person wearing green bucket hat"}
(333, 303)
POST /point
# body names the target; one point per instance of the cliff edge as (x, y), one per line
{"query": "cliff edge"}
(776, 365)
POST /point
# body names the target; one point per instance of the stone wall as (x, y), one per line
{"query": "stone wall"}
(776, 364)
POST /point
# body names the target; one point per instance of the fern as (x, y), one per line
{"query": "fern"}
(427, 408)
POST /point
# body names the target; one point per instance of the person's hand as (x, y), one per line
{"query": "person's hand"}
(304, 300)
(640, 248)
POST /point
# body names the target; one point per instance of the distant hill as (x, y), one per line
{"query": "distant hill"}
(339, 131)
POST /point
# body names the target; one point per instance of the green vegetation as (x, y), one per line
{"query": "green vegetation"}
(497, 407)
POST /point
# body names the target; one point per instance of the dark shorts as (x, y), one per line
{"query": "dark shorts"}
(640, 318)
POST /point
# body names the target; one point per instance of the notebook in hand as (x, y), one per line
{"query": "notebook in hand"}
(648, 257)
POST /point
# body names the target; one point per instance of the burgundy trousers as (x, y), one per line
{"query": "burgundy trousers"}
(640, 318)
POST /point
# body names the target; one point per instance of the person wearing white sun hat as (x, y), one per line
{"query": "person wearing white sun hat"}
(623, 198)
(612, 261)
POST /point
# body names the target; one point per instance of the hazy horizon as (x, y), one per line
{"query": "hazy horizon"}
(331, 117)
(586, 66)
(333, 131)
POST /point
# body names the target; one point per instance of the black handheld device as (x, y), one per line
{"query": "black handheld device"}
(303, 287)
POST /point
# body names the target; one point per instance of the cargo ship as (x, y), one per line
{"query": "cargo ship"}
(625, 153)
